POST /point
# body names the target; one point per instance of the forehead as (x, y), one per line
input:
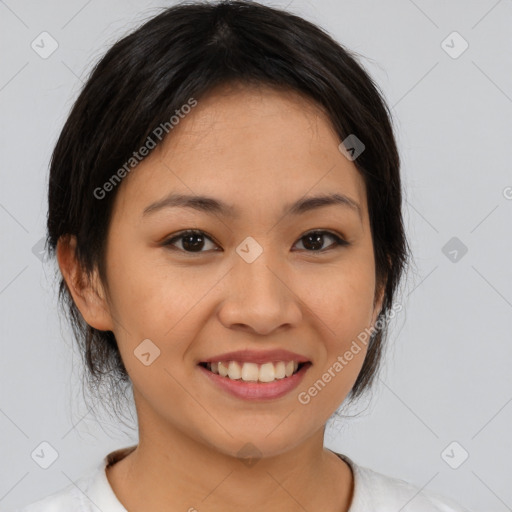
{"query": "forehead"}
(249, 146)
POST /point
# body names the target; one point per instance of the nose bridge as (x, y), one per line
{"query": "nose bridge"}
(255, 270)
(258, 295)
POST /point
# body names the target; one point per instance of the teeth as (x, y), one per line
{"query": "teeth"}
(279, 370)
(234, 370)
(223, 370)
(267, 372)
(252, 372)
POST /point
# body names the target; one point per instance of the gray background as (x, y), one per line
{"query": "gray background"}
(446, 376)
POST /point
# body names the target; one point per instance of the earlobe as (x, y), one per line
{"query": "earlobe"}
(380, 293)
(378, 302)
(86, 291)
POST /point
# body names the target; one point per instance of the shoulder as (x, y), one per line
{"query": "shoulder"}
(394, 492)
(376, 491)
(64, 500)
(70, 498)
(90, 493)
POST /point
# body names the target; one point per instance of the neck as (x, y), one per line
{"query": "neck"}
(186, 474)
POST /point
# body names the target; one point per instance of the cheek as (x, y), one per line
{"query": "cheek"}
(157, 300)
(341, 296)
(145, 287)
(341, 306)
(341, 302)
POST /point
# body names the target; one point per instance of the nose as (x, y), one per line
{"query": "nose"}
(259, 297)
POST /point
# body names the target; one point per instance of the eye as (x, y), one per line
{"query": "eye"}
(314, 240)
(193, 241)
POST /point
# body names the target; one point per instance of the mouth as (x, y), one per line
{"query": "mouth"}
(253, 372)
(251, 381)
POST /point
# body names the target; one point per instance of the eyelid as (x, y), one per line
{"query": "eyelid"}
(340, 240)
(176, 236)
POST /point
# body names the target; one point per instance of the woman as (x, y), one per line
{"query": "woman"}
(225, 210)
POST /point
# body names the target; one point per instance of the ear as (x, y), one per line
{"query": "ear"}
(379, 299)
(87, 291)
(380, 291)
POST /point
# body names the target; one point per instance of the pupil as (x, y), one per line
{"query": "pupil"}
(188, 245)
(316, 240)
(195, 241)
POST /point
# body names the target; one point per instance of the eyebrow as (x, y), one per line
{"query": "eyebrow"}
(214, 206)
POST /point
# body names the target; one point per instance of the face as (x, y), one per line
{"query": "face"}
(257, 276)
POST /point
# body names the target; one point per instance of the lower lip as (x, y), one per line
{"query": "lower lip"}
(257, 390)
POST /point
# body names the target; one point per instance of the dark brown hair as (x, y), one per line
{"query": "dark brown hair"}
(186, 51)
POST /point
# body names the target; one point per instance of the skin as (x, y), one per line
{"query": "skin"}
(257, 149)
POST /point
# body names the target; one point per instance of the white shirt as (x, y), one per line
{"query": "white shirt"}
(373, 492)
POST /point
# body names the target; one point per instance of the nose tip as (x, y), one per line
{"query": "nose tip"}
(258, 299)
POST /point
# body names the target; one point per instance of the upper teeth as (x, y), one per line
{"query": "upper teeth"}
(266, 372)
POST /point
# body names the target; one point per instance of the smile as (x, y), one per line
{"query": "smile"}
(252, 372)
(252, 381)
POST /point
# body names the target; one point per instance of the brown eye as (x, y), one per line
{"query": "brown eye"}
(314, 240)
(191, 241)
(194, 241)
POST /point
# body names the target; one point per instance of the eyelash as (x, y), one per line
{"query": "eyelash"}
(339, 242)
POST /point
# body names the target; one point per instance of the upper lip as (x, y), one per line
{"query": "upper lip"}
(257, 356)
